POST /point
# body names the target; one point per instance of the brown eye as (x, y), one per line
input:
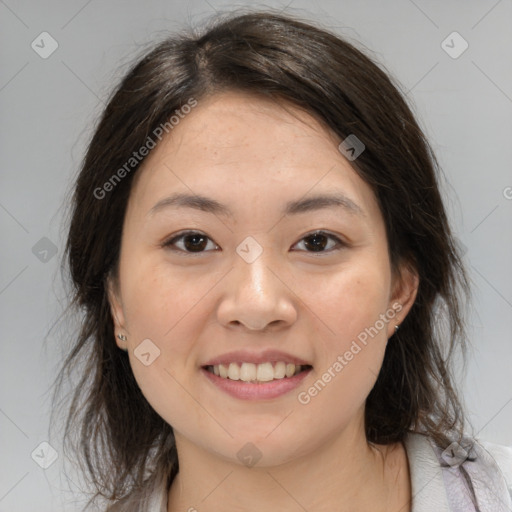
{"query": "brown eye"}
(194, 243)
(319, 241)
(316, 242)
(190, 241)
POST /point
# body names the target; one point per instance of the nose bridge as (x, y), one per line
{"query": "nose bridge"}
(255, 277)
(256, 296)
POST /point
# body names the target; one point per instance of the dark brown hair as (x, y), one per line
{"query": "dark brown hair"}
(122, 440)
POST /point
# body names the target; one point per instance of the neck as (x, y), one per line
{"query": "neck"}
(344, 474)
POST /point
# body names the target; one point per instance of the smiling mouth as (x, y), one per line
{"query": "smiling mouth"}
(257, 373)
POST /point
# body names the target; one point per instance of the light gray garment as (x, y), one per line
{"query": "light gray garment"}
(439, 487)
(482, 483)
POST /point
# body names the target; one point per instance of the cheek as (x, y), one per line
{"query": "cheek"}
(167, 391)
(349, 359)
(350, 301)
(160, 298)
(170, 307)
(350, 336)
(165, 308)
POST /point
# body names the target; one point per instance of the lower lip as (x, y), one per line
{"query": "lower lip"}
(259, 390)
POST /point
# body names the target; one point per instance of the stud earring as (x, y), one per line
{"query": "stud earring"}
(122, 337)
(397, 326)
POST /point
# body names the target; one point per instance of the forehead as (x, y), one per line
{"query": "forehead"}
(240, 148)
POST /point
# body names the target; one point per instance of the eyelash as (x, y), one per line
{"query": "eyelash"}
(172, 241)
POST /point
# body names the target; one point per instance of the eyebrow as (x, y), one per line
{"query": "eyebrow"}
(206, 204)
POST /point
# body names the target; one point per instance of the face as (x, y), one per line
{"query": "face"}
(263, 274)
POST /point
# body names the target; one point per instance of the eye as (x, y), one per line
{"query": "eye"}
(192, 242)
(319, 240)
(196, 242)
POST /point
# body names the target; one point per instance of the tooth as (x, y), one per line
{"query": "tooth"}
(223, 371)
(280, 370)
(234, 371)
(248, 372)
(265, 372)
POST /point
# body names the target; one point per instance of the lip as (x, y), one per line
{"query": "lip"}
(256, 391)
(262, 356)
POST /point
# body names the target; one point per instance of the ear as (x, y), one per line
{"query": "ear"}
(405, 288)
(116, 310)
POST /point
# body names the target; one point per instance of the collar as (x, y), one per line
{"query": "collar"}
(427, 485)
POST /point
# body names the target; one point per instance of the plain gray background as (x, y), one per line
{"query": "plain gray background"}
(48, 109)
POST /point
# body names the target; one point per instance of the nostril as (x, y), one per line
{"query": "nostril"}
(249, 326)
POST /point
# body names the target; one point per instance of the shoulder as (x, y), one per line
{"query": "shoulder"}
(502, 455)
(460, 475)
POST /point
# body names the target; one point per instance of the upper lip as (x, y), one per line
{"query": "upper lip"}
(262, 356)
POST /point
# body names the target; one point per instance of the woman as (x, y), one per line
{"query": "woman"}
(270, 287)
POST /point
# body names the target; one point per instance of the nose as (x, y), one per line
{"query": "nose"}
(257, 297)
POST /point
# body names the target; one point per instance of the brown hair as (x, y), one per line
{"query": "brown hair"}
(122, 440)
